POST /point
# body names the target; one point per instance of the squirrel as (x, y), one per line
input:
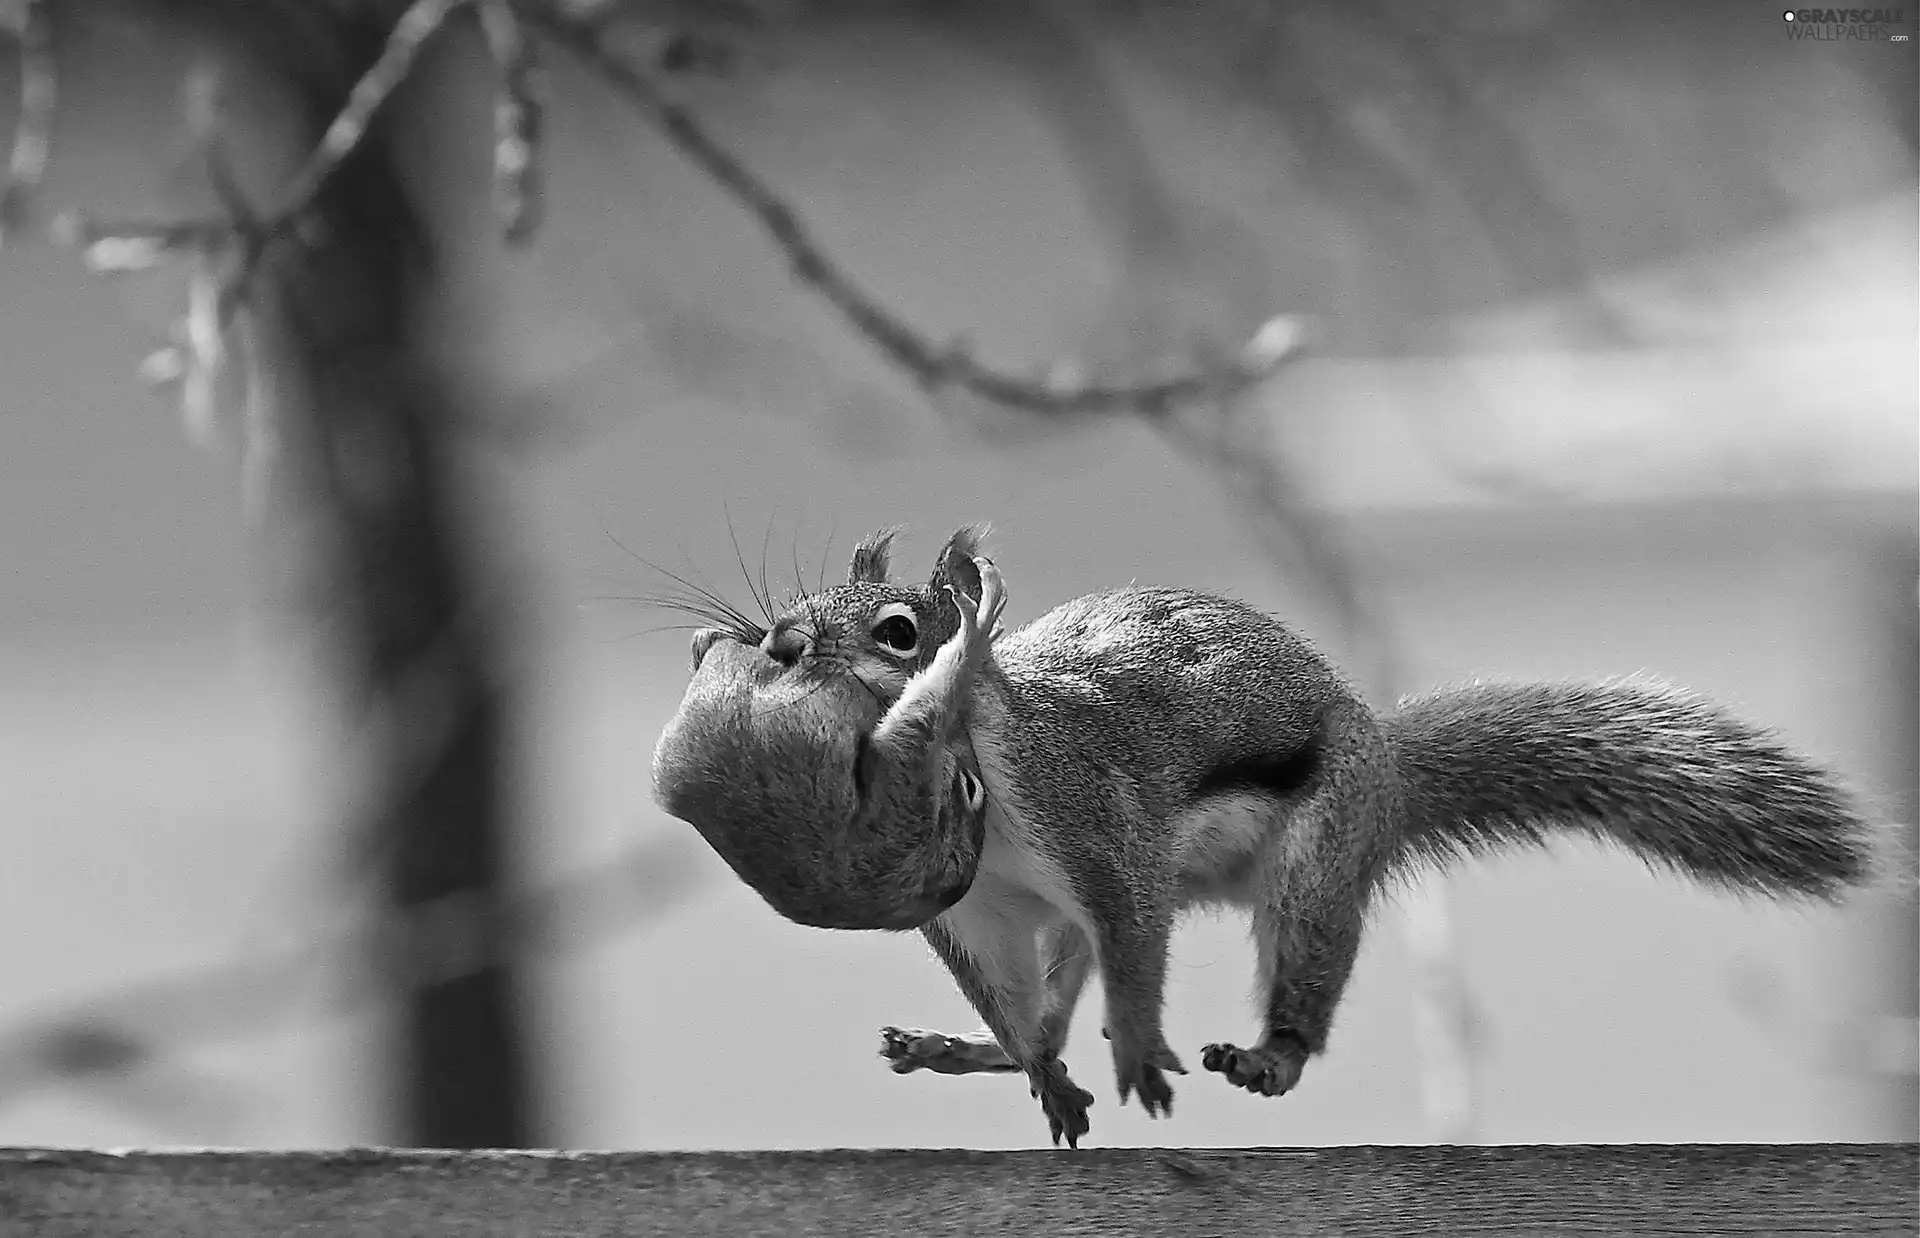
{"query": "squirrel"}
(1042, 804)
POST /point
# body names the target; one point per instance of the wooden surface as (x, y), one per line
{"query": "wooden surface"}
(1711, 1189)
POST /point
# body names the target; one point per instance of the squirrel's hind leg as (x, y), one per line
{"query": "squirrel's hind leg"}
(1066, 959)
(1312, 881)
(1133, 940)
(990, 945)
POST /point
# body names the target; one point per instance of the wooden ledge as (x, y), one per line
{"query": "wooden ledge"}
(1563, 1189)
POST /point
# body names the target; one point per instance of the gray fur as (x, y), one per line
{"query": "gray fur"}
(764, 769)
(842, 806)
(1672, 777)
(1144, 750)
(1125, 712)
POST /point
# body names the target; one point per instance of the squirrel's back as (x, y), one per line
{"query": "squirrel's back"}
(1177, 692)
(1177, 700)
(1167, 722)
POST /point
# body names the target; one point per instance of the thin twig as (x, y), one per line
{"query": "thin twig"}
(206, 345)
(32, 28)
(518, 119)
(1445, 1015)
(259, 437)
(934, 366)
(409, 34)
(134, 244)
(202, 105)
(227, 251)
(115, 246)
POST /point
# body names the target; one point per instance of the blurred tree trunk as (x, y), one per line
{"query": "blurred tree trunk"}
(375, 441)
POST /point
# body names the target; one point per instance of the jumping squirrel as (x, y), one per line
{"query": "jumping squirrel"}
(1042, 804)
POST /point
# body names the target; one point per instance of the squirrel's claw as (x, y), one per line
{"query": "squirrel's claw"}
(980, 617)
(1269, 1069)
(993, 596)
(1064, 1102)
(1144, 1075)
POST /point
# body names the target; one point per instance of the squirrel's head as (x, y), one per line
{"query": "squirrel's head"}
(760, 757)
(871, 628)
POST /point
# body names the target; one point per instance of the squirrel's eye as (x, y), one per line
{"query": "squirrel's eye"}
(895, 629)
(973, 789)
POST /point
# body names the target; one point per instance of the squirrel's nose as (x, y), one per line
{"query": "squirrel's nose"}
(784, 644)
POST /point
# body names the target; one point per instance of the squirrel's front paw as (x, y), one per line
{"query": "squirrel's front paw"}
(1063, 1101)
(980, 617)
(993, 597)
(908, 1050)
(1142, 1073)
(1269, 1069)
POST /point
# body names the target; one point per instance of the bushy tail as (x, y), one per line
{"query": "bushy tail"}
(1672, 777)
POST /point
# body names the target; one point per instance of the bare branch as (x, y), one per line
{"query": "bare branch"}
(136, 245)
(129, 245)
(1446, 1017)
(206, 347)
(32, 28)
(226, 251)
(259, 431)
(933, 365)
(202, 103)
(126, 246)
(410, 33)
(518, 116)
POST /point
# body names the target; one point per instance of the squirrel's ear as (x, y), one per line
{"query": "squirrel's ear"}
(703, 641)
(955, 565)
(870, 558)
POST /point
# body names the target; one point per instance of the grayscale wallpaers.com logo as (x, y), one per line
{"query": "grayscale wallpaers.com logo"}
(1855, 25)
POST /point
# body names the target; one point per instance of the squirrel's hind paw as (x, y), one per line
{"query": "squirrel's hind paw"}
(1270, 1069)
(908, 1050)
(1145, 1076)
(1063, 1101)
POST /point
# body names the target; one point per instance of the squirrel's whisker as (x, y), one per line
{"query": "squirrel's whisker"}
(766, 586)
(739, 557)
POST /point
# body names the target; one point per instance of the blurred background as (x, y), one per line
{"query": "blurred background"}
(327, 696)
